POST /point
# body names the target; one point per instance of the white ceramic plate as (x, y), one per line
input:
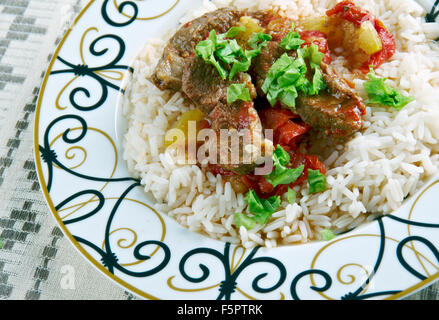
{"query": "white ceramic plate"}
(108, 218)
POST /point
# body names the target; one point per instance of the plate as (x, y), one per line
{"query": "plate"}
(110, 221)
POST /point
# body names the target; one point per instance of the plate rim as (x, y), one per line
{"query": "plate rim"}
(36, 152)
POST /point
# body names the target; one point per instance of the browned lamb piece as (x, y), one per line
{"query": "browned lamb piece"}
(169, 72)
(180, 69)
(204, 86)
(337, 111)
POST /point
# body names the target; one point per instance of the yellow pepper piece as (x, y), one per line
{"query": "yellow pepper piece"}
(320, 23)
(196, 116)
(251, 26)
(368, 39)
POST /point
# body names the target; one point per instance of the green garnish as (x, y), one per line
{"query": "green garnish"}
(237, 91)
(280, 156)
(229, 52)
(280, 81)
(243, 64)
(243, 61)
(327, 235)
(318, 83)
(281, 174)
(316, 181)
(233, 32)
(259, 40)
(287, 77)
(220, 49)
(262, 209)
(291, 196)
(206, 50)
(292, 40)
(241, 219)
(1, 244)
(381, 93)
(314, 55)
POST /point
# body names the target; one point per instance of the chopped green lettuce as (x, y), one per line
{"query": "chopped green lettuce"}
(259, 40)
(237, 91)
(206, 50)
(287, 77)
(292, 41)
(327, 235)
(316, 181)
(262, 209)
(281, 174)
(291, 196)
(233, 32)
(379, 92)
(229, 52)
(313, 54)
(221, 49)
(247, 222)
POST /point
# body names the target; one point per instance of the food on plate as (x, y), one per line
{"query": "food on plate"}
(275, 123)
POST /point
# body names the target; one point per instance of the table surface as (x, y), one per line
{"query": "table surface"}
(37, 261)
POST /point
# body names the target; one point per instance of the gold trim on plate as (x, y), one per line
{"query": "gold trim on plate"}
(93, 261)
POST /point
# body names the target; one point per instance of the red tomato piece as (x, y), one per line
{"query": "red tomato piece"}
(313, 163)
(265, 190)
(347, 10)
(264, 186)
(389, 48)
(273, 118)
(290, 133)
(310, 162)
(350, 12)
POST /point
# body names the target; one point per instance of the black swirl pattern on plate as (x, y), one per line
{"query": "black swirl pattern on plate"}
(101, 202)
(121, 8)
(50, 157)
(110, 260)
(83, 70)
(230, 282)
(433, 14)
(357, 294)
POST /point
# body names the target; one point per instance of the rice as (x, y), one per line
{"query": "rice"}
(395, 154)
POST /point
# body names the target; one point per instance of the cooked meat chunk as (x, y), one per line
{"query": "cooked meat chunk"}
(203, 85)
(337, 111)
(263, 62)
(169, 71)
(244, 143)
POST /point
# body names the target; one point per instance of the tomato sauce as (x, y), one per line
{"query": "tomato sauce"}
(244, 117)
(264, 189)
(389, 48)
(289, 130)
(348, 11)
